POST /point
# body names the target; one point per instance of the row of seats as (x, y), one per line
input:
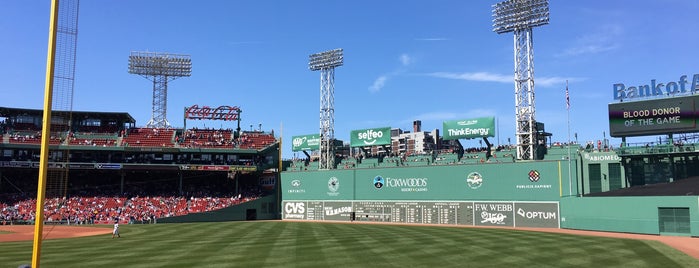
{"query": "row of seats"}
(82, 209)
(154, 137)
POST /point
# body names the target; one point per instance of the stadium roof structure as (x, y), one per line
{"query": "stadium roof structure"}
(13, 112)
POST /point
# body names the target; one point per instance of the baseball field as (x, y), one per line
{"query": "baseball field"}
(310, 244)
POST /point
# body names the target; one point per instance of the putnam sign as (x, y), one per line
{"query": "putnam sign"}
(469, 128)
(305, 143)
(370, 137)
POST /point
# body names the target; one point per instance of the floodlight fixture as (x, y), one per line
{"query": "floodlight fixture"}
(156, 64)
(325, 62)
(514, 15)
(159, 68)
(520, 16)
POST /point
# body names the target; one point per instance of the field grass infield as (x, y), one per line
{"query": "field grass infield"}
(310, 244)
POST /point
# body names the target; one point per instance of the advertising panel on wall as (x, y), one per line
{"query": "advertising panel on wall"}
(519, 181)
(652, 117)
(370, 137)
(319, 185)
(469, 128)
(479, 213)
(309, 142)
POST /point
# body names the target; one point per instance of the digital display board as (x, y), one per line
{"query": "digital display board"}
(652, 117)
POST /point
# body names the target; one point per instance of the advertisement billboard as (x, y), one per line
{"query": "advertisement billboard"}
(652, 117)
(469, 128)
(309, 142)
(370, 137)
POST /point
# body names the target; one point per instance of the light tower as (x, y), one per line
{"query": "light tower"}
(520, 16)
(159, 68)
(326, 63)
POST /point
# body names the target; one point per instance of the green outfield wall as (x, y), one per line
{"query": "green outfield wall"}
(522, 181)
(473, 213)
(666, 215)
(601, 172)
(522, 194)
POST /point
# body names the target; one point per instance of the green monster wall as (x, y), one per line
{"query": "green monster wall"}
(638, 214)
(522, 181)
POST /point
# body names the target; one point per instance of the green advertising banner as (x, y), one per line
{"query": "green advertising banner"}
(305, 142)
(370, 137)
(318, 185)
(516, 181)
(469, 128)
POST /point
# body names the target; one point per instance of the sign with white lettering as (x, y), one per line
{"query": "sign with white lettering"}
(536, 215)
(306, 142)
(469, 128)
(651, 117)
(370, 137)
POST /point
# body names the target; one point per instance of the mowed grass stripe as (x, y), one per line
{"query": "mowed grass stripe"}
(313, 244)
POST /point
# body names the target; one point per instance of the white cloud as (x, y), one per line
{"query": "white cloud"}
(602, 40)
(500, 78)
(405, 59)
(588, 49)
(378, 84)
(477, 76)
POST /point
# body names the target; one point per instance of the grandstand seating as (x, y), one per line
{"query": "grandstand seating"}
(103, 209)
(347, 163)
(149, 137)
(256, 140)
(31, 137)
(101, 140)
(98, 129)
(391, 161)
(418, 160)
(446, 159)
(206, 138)
(25, 126)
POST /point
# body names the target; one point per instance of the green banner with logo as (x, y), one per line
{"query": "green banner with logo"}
(305, 142)
(469, 128)
(370, 137)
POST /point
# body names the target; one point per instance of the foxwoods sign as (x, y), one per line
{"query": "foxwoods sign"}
(654, 89)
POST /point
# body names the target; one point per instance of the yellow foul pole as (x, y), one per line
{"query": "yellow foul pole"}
(279, 169)
(45, 135)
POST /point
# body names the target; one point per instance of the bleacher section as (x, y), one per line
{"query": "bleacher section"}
(256, 140)
(347, 163)
(391, 161)
(102, 140)
(31, 137)
(418, 160)
(506, 155)
(149, 137)
(206, 138)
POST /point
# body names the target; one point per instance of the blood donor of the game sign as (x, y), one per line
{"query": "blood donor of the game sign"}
(651, 117)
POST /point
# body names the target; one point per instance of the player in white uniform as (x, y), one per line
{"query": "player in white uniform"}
(116, 229)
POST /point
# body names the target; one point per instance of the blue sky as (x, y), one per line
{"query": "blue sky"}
(404, 60)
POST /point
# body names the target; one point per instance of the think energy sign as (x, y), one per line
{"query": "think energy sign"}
(469, 128)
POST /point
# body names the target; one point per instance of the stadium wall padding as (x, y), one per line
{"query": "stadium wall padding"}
(636, 214)
(265, 209)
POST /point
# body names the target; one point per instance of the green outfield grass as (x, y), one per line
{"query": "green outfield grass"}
(308, 244)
